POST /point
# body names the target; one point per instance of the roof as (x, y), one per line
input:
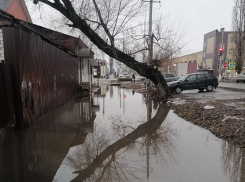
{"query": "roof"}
(62, 41)
(69, 42)
(4, 4)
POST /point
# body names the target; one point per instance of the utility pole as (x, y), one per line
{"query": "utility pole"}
(150, 33)
(221, 55)
(150, 39)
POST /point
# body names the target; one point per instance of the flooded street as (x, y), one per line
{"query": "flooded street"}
(117, 135)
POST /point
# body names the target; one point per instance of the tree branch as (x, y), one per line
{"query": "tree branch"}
(103, 24)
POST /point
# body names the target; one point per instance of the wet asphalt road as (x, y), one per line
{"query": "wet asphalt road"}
(219, 93)
(240, 85)
(131, 139)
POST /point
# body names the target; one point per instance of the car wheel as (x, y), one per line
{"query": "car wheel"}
(201, 89)
(210, 88)
(237, 81)
(178, 90)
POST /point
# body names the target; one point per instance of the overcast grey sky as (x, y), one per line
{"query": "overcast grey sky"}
(202, 16)
(196, 16)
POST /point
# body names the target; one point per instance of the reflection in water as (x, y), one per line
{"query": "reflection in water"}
(127, 141)
(133, 92)
(35, 154)
(108, 164)
(233, 162)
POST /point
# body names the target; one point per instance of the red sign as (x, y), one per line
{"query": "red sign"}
(225, 65)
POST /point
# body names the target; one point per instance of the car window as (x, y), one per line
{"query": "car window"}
(182, 78)
(209, 76)
(164, 75)
(191, 77)
(201, 77)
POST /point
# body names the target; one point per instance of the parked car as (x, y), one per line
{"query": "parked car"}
(124, 75)
(198, 81)
(169, 77)
(241, 78)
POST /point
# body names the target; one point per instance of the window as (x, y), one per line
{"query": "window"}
(192, 78)
(209, 76)
(230, 51)
(194, 61)
(231, 39)
(201, 77)
(218, 67)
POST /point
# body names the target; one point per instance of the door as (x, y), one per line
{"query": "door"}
(190, 82)
(201, 81)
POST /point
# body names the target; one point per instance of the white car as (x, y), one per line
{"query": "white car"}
(241, 78)
(124, 75)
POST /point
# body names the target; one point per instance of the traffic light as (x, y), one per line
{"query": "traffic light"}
(220, 51)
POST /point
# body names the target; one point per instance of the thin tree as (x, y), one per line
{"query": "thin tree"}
(238, 23)
(110, 17)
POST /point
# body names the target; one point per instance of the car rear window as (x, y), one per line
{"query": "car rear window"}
(201, 77)
(209, 76)
(164, 75)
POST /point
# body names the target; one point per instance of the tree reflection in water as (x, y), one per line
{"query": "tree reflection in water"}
(98, 160)
(233, 162)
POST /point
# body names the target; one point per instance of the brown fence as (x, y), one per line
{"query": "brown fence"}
(43, 75)
(6, 97)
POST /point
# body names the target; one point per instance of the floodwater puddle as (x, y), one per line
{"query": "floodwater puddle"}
(118, 135)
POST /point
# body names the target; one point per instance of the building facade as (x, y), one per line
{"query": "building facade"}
(211, 59)
(186, 64)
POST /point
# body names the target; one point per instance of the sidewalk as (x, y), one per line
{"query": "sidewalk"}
(232, 85)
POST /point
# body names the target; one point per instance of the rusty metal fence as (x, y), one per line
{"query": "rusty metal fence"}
(6, 97)
(43, 75)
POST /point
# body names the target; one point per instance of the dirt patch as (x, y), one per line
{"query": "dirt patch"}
(140, 88)
(223, 121)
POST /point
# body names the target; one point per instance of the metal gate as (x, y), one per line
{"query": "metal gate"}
(6, 97)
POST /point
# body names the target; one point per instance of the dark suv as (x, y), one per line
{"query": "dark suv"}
(198, 81)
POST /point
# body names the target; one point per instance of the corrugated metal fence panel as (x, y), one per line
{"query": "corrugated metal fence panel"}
(45, 75)
(6, 97)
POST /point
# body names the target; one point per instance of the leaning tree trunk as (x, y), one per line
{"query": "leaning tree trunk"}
(143, 69)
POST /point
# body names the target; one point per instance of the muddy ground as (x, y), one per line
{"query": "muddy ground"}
(226, 120)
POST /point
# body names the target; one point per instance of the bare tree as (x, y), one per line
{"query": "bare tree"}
(108, 18)
(238, 22)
